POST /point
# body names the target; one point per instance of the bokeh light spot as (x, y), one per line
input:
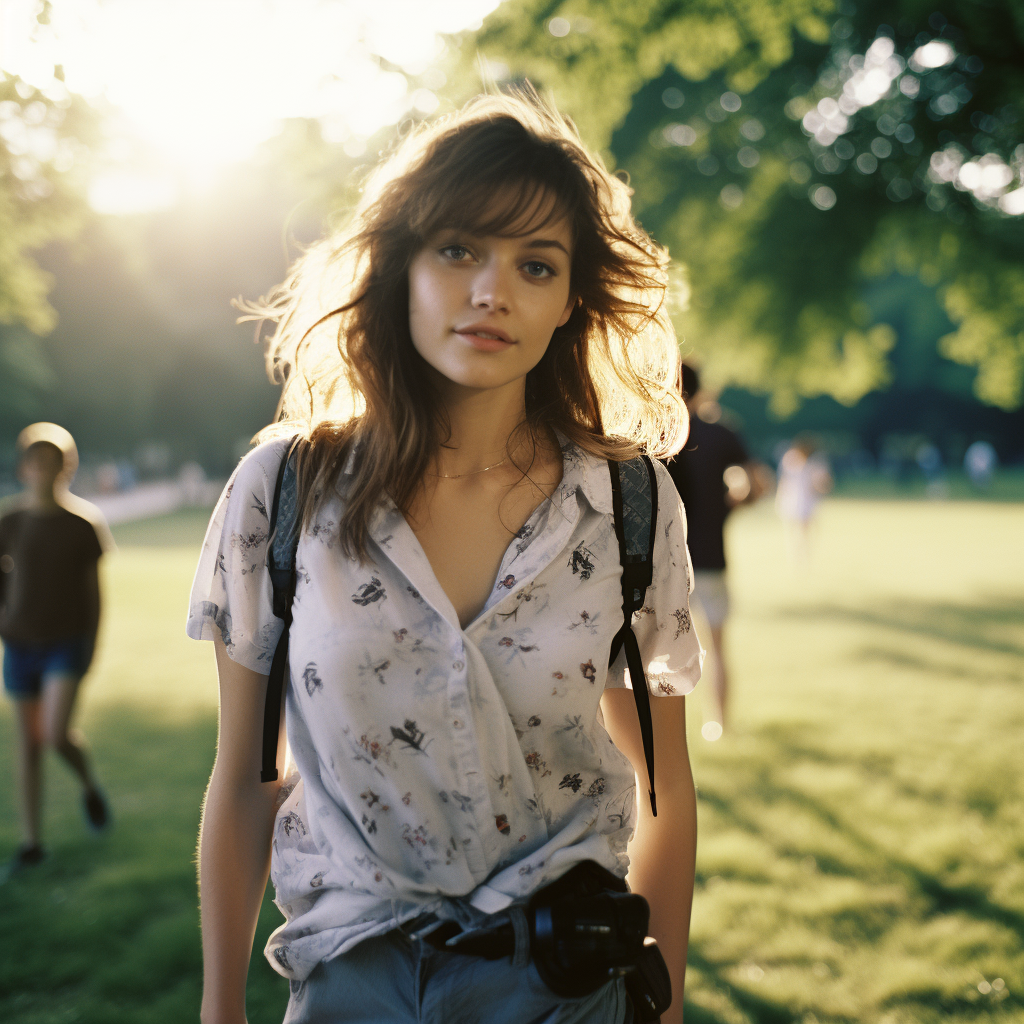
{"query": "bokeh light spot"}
(936, 54)
(867, 163)
(731, 196)
(673, 98)
(822, 197)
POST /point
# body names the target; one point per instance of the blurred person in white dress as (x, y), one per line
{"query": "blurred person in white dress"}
(804, 479)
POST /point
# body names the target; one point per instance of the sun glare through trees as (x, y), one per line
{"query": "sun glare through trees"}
(191, 87)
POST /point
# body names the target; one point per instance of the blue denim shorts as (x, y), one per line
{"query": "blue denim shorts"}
(394, 979)
(27, 665)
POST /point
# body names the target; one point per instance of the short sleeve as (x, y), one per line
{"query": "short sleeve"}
(231, 595)
(668, 642)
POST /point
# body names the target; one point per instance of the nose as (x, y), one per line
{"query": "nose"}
(491, 288)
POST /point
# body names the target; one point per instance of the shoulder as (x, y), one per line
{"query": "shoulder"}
(258, 468)
(10, 514)
(10, 508)
(88, 518)
(247, 501)
(720, 441)
(590, 473)
(710, 432)
(663, 479)
(670, 512)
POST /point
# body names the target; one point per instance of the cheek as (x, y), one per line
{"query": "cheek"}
(419, 312)
(426, 304)
(552, 310)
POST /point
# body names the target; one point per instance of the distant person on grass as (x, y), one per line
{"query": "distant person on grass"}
(804, 479)
(50, 545)
(467, 372)
(713, 474)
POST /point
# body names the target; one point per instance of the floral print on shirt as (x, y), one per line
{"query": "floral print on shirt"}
(438, 767)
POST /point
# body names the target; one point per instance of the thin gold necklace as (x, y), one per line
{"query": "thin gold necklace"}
(455, 476)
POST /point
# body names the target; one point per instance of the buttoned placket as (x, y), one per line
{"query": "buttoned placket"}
(406, 553)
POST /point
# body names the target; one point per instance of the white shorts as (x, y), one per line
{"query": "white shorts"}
(712, 594)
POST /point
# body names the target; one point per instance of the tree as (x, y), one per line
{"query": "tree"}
(43, 137)
(785, 150)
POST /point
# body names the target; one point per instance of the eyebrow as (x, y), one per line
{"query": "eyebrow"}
(546, 243)
(534, 243)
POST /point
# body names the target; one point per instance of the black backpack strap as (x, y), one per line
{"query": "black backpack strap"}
(635, 509)
(281, 549)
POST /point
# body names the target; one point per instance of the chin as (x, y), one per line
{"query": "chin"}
(481, 378)
(480, 382)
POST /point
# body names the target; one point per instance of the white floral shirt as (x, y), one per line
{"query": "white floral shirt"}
(437, 768)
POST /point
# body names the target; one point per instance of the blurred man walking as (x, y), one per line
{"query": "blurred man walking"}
(713, 473)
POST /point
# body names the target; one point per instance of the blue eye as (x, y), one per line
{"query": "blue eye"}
(455, 252)
(537, 269)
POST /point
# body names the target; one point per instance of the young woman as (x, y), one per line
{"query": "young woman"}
(461, 362)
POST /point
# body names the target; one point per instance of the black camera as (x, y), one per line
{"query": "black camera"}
(587, 929)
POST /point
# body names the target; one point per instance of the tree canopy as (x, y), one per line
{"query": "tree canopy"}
(786, 150)
(44, 135)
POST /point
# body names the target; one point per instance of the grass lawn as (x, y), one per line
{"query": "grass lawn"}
(862, 826)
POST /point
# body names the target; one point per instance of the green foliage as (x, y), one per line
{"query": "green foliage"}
(611, 48)
(781, 174)
(42, 140)
(990, 311)
(24, 374)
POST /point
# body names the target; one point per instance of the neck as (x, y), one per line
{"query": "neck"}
(482, 422)
(42, 498)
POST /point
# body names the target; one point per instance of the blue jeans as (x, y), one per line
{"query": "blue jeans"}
(393, 978)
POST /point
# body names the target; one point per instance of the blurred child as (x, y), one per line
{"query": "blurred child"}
(804, 479)
(50, 545)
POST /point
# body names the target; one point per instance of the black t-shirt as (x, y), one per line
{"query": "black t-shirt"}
(47, 561)
(697, 472)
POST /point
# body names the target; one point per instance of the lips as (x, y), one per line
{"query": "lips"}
(484, 337)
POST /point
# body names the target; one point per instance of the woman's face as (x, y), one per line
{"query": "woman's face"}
(482, 309)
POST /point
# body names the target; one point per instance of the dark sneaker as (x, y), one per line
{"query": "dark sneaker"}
(97, 812)
(26, 856)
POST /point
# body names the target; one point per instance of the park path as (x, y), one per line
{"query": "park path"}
(156, 498)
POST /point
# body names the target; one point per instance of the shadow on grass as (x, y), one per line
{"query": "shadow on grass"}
(943, 898)
(898, 659)
(109, 925)
(763, 783)
(756, 1007)
(983, 626)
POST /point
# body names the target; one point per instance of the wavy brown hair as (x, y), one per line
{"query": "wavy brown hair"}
(343, 352)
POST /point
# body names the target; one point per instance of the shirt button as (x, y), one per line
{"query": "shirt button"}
(457, 722)
(458, 665)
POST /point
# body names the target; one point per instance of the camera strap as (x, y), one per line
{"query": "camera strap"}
(635, 511)
(281, 551)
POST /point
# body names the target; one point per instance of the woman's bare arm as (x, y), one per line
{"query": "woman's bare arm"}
(234, 842)
(663, 850)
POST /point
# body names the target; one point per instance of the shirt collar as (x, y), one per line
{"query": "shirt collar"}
(586, 474)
